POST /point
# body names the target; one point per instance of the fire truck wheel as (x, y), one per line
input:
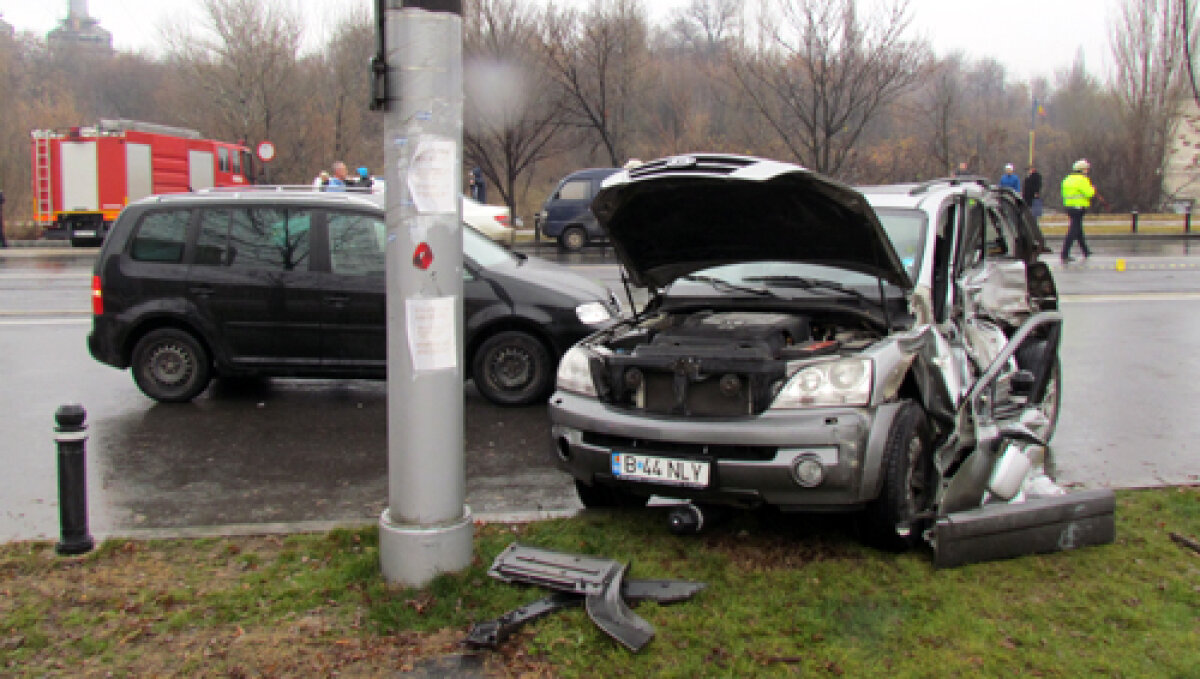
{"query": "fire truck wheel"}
(171, 366)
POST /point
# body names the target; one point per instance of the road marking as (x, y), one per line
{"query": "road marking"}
(44, 321)
(1130, 265)
(43, 275)
(1131, 297)
(45, 312)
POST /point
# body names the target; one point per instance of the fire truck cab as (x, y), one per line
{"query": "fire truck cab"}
(83, 177)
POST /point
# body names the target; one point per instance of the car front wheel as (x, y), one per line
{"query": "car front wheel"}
(894, 520)
(513, 368)
(573, 239)
(171, 366)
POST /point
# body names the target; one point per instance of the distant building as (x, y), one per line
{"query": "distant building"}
(1181, 181)
(80, 31)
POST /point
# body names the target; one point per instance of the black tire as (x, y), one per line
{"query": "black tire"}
(513, 368)
(607, 497)
(1051, 400)
(909, 483)
(1031, 356)
(171, 366)
(573, 239)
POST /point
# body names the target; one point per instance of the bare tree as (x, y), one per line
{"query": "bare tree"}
(357, 132)
(942, 110)
(240, 77)
(599, 59)
(1148, 39)
(824, 73)
(1084, 124)
(704, 26)
(510, 123)
(37, 96)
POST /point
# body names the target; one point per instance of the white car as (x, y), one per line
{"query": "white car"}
(495, 221)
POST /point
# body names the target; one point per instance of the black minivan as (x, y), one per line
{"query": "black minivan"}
(291, 284)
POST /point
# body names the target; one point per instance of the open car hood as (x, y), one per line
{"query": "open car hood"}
(672, 217)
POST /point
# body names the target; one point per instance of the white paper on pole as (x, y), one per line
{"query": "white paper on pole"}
(431, 174)
(431, 333)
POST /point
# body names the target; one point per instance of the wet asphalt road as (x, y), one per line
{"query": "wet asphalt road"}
(267, 455)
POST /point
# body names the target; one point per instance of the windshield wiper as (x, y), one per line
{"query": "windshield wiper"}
(725, 286)
(814, 284)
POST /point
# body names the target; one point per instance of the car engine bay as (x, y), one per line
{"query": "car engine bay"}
(716, 363)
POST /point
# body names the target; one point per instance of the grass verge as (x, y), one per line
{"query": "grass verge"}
(786, 596)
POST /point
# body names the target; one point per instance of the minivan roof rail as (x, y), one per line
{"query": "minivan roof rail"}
(304, 188)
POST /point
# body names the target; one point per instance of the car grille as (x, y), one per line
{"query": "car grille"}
(702, 399)
(650, 446)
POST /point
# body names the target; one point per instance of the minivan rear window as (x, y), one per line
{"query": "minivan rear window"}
(160, 237)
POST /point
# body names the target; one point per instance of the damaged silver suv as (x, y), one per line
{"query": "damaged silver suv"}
(814, 347)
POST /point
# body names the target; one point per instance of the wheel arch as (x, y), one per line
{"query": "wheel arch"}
(150, 324)
(872, 468)
(501, 325)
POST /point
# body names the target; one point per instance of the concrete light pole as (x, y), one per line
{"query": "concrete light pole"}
(426, 528)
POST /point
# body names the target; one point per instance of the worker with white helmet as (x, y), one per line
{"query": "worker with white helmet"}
(1077, 194)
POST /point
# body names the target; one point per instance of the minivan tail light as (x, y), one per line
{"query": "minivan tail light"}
(503, 219)
(97, 297)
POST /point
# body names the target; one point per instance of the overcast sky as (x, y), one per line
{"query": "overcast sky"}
(1031, 37)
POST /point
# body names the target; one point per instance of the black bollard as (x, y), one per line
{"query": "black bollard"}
(71, 437)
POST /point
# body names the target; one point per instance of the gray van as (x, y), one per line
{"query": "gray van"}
(567, 215)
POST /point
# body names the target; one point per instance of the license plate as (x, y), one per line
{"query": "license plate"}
(87, 232)
(668, 470)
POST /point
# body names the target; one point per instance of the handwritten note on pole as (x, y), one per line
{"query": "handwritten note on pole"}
(431, 341)
(431, 174)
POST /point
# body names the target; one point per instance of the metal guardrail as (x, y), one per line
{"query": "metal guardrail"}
(1131, 223)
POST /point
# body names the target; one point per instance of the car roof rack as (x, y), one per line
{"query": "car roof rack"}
(300, 188)
(964, 180)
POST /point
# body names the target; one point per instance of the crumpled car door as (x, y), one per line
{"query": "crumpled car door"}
(993, 452)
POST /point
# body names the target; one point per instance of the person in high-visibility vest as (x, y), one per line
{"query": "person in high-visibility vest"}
(1077, 194)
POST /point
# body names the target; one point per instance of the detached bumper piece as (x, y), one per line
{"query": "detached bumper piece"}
(599, 584)
(1039, 526)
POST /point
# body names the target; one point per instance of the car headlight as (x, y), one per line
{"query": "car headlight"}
(842, 382)
(593, 313)
(575, 373)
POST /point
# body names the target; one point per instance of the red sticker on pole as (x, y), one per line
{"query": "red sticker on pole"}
(423, 256)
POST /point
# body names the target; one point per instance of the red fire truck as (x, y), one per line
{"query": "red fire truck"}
(84, 176)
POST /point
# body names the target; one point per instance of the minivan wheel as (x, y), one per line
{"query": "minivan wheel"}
(171, 366)
(513, 368)
(573, 239)
(893, 520)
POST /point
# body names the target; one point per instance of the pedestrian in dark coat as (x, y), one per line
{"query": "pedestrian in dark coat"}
(1031, 192)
